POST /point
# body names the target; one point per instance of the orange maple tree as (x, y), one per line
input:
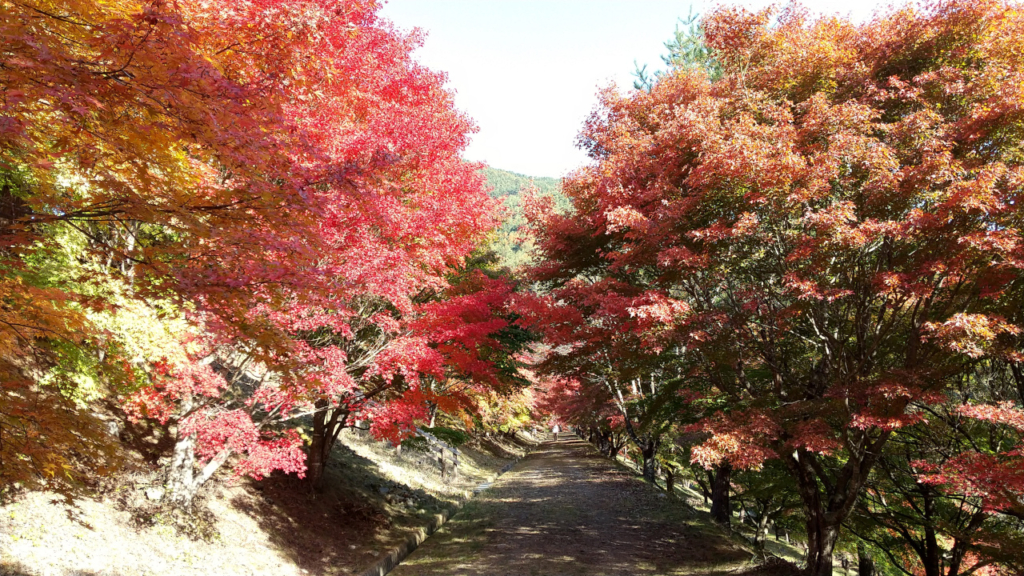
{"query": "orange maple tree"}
(115, 116)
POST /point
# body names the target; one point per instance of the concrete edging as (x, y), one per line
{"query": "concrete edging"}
(400, 552)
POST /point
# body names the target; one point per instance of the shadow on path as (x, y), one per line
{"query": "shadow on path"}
(567, 510)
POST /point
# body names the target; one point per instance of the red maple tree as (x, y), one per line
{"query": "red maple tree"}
(278, 170)
(825, 234)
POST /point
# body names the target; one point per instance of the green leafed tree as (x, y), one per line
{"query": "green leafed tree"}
(513, 241)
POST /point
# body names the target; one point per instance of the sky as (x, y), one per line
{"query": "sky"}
(528, 71)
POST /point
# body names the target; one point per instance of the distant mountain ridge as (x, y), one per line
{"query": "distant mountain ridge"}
(512, 242)
(508, 183)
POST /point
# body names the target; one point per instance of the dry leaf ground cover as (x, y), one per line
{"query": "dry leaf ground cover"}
(375, 496)
(567, 510)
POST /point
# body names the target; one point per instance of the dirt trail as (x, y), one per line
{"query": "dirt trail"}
(567, 510)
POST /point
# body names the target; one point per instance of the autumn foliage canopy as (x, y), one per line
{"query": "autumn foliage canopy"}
(796, 256)
(821, 236)
(226, 216)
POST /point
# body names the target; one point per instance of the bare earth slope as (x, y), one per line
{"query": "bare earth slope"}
(566, 510)
(373, 500)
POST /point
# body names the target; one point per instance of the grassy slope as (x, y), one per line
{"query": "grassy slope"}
(743, 533)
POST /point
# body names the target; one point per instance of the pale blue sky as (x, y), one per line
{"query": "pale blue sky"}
(527, 71)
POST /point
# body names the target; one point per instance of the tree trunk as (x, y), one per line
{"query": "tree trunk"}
(829, 498)
(315, 458)
(761, 536)
(1018, 376)
(433, 413)
(327, 423)
(705, 487)
(720, 507)
(865, 563)
(647, 444)
(670, 482)
(618, 444)
(650, 464)
(821, 541)
(613, 447)
(182, 482)
(179, 483)
(933, 554)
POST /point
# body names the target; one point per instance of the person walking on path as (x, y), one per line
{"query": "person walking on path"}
(555, 430)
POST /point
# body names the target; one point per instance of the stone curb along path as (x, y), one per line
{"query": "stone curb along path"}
(400, 552)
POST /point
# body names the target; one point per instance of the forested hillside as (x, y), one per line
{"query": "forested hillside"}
(505, 183)
(512, 242)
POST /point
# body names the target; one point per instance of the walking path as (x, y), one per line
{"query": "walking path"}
(567, 510)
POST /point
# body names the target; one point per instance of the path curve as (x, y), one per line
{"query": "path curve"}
(565, 509)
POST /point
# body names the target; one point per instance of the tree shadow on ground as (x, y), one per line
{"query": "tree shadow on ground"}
(13, 569)
(150, 440)
(343, 529)
(565, 511)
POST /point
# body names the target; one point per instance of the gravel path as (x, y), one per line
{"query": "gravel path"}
(567, 510)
